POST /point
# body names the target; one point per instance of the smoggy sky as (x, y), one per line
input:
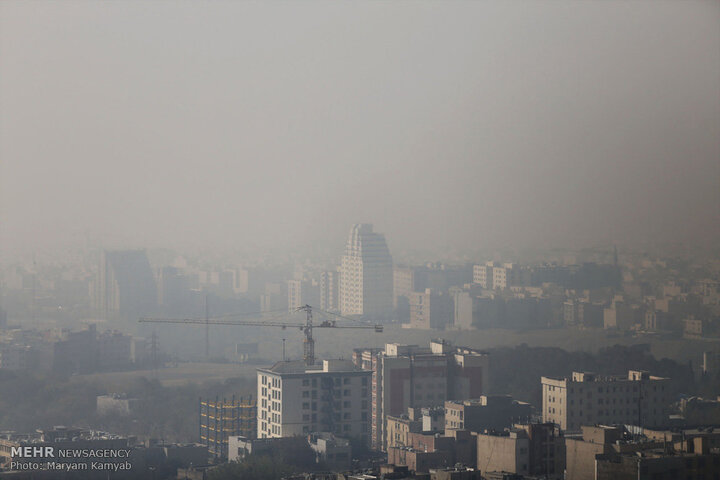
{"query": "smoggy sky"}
(280, 124)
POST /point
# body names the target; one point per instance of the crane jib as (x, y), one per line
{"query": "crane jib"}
(308, 343)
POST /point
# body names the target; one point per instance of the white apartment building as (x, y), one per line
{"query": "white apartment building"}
(589, 399)
(296, 399)
(480, 275)
(366, 274)
(496, 277)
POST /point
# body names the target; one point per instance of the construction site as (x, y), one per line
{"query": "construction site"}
(220, 419)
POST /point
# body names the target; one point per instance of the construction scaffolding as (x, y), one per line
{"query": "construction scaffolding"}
(222, 419)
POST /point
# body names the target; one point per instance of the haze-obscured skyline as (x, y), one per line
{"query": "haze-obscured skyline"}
(278, 125)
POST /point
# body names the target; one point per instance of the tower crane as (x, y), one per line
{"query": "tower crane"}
(306, 328)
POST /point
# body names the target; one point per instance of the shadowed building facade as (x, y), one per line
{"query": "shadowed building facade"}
(126, 285)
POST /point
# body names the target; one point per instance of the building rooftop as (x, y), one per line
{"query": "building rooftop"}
(437, 347)
(581, 377)
(299, 367)
(487, 400)
(329, 438)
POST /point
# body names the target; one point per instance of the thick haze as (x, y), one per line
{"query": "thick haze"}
(274, 125)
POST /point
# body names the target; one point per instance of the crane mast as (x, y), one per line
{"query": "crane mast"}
(309, 342)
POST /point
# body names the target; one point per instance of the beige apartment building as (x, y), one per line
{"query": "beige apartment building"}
(534, 450)
(589, 399)
(493, 276)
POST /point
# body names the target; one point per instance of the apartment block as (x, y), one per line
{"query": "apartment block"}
(430, 310)
(410, 376)
(489, 412)
(526, 449)
(493, 276)
(296, 399)
(622, 316)
(399, 427)
(589, 399)
(15, 356)
(652, 455)
(429, 450)
(481, 277)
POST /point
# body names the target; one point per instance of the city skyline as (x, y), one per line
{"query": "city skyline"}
(418, 240)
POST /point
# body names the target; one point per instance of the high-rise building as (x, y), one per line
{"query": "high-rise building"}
(589, 399)
(403, 283)
(297, 399)
(406, 376)
(174, 291)
(366, 275)
(126, 285)
(430, 310)
(302, 292)
(329, 289)
(274, 298)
